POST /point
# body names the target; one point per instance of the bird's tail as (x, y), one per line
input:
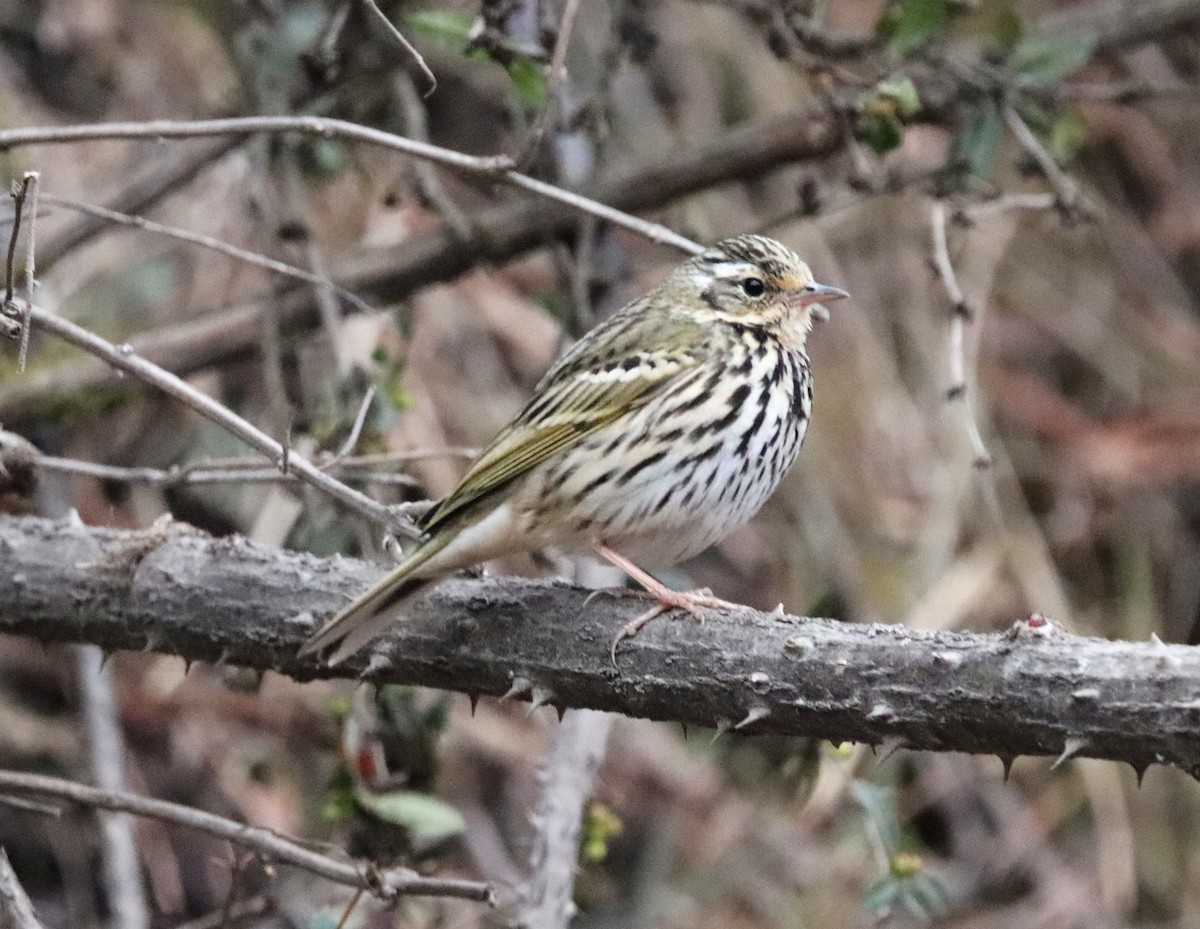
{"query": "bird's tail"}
(361, 620)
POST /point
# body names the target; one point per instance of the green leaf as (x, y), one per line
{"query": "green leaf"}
(447, 27)
(919, 893)
(1047, 60)
(975, 147)
(882, 111)
(903, 91)
(427, 819)
(909, 24)
(529, 79)
(881, 894)
(882, 131)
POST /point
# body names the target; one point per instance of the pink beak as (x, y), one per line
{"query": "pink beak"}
(816, 293)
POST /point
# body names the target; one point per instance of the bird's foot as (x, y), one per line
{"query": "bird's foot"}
(690, 601)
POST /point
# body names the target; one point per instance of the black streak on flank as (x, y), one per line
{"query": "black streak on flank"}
(597, 481)
(739, 396)
(801, 392)
(753, 429)
(637, 469)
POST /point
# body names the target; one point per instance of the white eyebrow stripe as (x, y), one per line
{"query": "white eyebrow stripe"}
(732, 268)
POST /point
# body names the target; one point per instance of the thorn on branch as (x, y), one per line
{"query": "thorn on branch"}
(1071, 748)
(755, 714)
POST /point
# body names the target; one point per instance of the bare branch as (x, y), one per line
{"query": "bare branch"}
(29, 199)
(140, 192)
(1070, 200)
(384, 883)
(106, 746)
(21, 463)
(555, 77)
(565, 784)
(1033, 691)
(961, 317)
(212, 244)
(19, 328)
(502, 233)
(16, 912)
(396, 34)
(429, 185)
(124, 358)
(495, 168)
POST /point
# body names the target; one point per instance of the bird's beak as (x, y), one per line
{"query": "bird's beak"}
(811, 295)
(816, 293)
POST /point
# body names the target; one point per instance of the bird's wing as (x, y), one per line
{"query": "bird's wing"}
(579, 395)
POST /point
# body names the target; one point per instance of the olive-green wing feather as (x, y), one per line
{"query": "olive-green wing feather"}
(603, 377)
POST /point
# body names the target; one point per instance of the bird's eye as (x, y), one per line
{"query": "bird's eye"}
(754, 287)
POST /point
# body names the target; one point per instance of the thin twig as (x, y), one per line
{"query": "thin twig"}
(15, 906)
(30, 806)
(1004, 204)
(404, 43)
(244, 470)
(198, 477)
(17, 193)
(355, 430)
(554, 81)
(30, 183)
(141, 192)
(236, 869)
(498, 168)
(505, 231)
(962, 316)
(1070, 200)
(123, 358)
(349, 908)
(416, 125)
(213, 244)
(13, 328)
(387, 884)
(106, 746)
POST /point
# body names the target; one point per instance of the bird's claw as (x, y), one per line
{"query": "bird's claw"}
(690, 601)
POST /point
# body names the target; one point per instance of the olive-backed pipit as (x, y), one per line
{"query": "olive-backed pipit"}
(658, 433)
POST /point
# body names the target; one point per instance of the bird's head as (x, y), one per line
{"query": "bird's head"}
(751, 279)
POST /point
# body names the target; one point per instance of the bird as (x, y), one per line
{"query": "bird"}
(658, 433)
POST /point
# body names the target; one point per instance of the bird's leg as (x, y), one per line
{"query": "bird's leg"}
(691, 601)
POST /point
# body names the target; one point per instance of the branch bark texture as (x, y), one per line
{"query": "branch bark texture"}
(1034, 691)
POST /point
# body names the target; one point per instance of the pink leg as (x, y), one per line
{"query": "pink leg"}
(692, 601)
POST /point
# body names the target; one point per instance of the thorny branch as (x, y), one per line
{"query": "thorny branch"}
(384, 883)
(1034, 691)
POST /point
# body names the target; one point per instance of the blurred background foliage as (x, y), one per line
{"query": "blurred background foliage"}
(1083, 362)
